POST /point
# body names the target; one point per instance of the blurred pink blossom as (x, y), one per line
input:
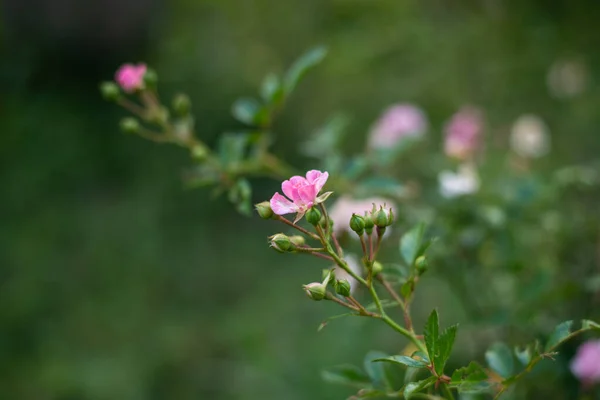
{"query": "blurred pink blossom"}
(586, 364)
(463, 133)
(131, 77)
(345, 206)
(301, 193)
(397, 122)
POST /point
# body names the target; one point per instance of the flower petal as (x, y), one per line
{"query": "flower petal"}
(307, 195)
(280, 205)
(317, 178)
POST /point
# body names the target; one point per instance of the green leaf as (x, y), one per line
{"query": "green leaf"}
(471, 373)
(232, 148)
(301, 66)
(413, 387)
(403, 360)
(564, 331)
(500, 359)
(325, 140)
(250, 111)
(420, 355)
(271, 89)
(410, 243)
(240, 195)
(445, 344)
(346, 375)
(431, 333)
(524, 356)
(376, 371)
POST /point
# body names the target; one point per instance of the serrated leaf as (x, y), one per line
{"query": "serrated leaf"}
(564, 332)
(346, 375)
(411, 242)
(247, 110)
(301, 66)
(421, 355)
(471, 373)
(524, 355)
(376, 371)
(431, 334)
(500, 359)
(474, 387)
(414, 387)
(403, 360)
(271, 89)
(445, 344)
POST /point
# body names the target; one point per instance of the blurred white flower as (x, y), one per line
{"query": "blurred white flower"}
(529, 137)
(355, 266)
(567, 78)
(345, 206)
(397, 122)
(464, 181)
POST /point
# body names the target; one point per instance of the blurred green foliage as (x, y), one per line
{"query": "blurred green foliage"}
(118, 283)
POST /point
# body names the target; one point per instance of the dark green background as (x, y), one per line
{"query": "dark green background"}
(117, 283)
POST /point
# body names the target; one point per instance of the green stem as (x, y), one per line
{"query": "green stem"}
(447, 392)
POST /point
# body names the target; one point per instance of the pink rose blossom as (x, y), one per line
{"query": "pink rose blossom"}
(301, 194)
(342, 210)
(397, 122)
(463, 132)
(131, 77)
(586, 364)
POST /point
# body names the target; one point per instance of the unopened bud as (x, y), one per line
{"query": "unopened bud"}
(327, 275)
(181, 104)
(150, 78)
(313, 216)
(281, 242)
(200, 152)
(110, 91)
(381, 218)
(357, 224)
(342, 287)
(369, 224)
(159, 115)
(264, 210)
(130, 125)
(297, 240)
(421, 264)
(315, 290)
(377, 267)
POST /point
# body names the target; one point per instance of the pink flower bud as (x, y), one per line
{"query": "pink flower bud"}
(301, 194)
(396, 123)
(131, 77)
(586, 364)
(463, 133)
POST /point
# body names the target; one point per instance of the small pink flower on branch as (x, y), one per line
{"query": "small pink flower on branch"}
(301, 193)
(396, 123)
(463, 133)
(586, 364)
(131, 77)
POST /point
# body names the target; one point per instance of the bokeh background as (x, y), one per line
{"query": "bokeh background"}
(118, 283)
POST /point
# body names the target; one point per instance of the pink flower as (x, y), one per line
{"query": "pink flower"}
(463, 132)
(397, 122)
(586, 364)
(301, 194)
(342, 210)
(131, 77)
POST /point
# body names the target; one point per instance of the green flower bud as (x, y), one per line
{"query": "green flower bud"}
(264, 210)
(159, 115)
(421, 264)
(327, 275)
(297, 240)
(150, 78)
(369, 224)
(315, 290)
(110, 91)
(130, 125)
(381, 218)
(377, 267)
(181, 104)
(281, 242)
(199, 152)
(342, 287)
(357, 224)
(313, 216)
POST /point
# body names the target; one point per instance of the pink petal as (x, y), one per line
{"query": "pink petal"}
(296, 182)
(307, 195)
(281, 205)
(288, 189)
(317, 178)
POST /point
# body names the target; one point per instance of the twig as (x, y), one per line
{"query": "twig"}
(301, 229)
